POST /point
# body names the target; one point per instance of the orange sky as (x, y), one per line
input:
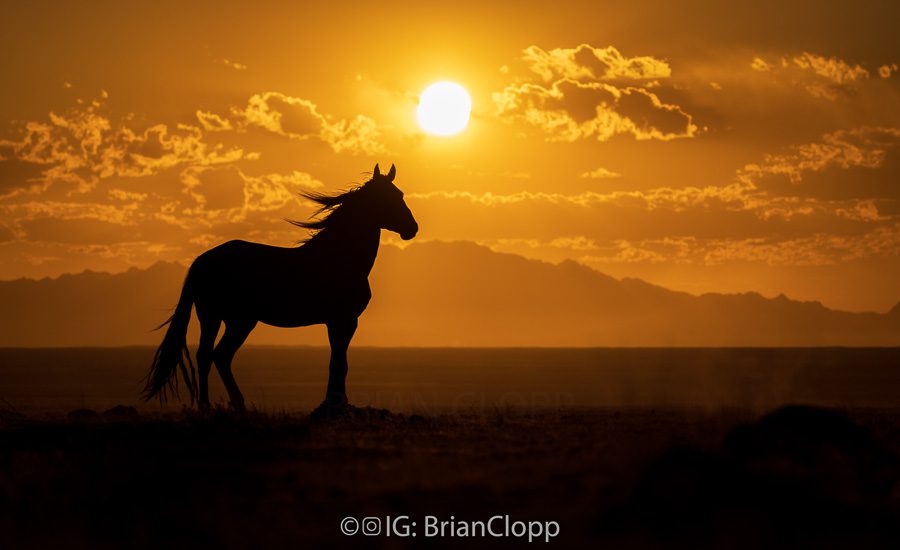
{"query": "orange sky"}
(701, 146)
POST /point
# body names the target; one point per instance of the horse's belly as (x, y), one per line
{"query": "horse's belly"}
(285, 298)
(313, 314)
(291, 321)
(290, 310)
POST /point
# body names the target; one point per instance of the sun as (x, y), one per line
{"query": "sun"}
(444, 108)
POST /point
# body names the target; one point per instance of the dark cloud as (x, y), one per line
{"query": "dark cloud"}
(6, 234)
(16, 174)
(220, 189)
(651, 116)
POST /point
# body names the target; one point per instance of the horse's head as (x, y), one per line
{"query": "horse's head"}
(387, 204)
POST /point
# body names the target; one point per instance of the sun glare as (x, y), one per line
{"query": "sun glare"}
(444, 108)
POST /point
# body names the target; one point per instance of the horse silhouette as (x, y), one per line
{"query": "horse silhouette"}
(322, 281)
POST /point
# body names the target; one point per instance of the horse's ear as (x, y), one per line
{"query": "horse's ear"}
(392, 173)
(376, 173)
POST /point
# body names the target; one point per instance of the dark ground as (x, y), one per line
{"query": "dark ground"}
(433, 381)
(611, 478)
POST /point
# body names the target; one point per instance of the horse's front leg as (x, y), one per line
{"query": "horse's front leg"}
(339, 335)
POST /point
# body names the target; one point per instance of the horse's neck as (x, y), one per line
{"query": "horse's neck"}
(352, 249)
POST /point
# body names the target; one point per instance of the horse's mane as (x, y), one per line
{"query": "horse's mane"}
(329, 207)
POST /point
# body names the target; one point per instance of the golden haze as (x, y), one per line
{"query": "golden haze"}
(704, 148)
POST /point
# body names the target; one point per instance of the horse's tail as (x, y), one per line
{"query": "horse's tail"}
(173, 354)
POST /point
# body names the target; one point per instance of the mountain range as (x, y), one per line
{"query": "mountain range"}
(452, 294)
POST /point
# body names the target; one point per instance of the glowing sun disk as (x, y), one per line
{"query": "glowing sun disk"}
(444, 108)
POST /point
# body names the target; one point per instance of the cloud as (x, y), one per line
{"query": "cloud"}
(295, 181)
(600, 173)
(220, 202)
(285, 115)
(585, 62)
(799, 171)
(88, 184)
(820, 249)
(744, 220)
(822, 77)
(86, 172)
(653, 251)
(228, 194)
(735, 196)
(270, 192)
(234, 65)
(769, 190)
(359, 135)
(212, 122)
(834, 149)
(570, 110)
(117, 214)
(832, 68)
(84, 145)
(578, 243)
(587, 92)
(759, 64)
(300, 119)
(122, 195)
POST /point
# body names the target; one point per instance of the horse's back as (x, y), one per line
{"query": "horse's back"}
(238, 272)
(243, 251)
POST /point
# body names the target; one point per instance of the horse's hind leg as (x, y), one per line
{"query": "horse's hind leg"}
(209, 329)
(236, 332)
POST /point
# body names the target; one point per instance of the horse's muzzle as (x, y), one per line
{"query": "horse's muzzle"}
(410, 233)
